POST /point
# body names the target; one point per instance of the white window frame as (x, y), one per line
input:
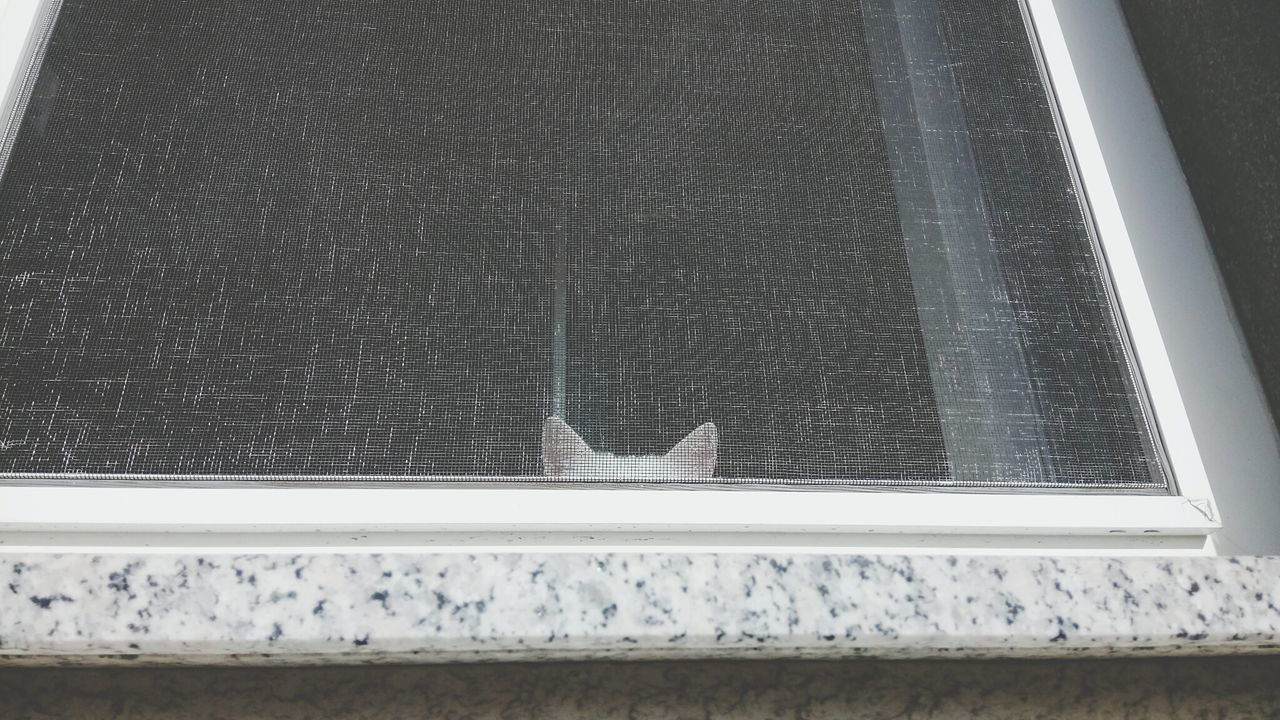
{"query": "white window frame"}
(20, 36)
(38, 516)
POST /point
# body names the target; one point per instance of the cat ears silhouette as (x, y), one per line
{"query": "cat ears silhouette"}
(563, 450)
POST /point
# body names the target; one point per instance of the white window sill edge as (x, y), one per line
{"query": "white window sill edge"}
(441, 520)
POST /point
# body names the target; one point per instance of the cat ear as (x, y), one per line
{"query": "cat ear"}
(562, 448)
(697, 451)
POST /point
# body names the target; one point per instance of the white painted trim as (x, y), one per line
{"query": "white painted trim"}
(17, 18)
(21, 22)
(1210, 402)
(684, 541)
(69, 509)
(69, 519)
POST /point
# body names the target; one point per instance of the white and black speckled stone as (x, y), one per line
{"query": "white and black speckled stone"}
(396, 607)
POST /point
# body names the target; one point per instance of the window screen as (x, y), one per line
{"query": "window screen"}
(389, 239)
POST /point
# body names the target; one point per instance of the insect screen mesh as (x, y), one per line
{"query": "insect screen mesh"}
(391, 238)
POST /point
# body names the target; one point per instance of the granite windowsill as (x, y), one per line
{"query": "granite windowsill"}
(357, 608)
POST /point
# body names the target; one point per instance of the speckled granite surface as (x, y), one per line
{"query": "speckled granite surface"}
(1146, 689)
(392, 608)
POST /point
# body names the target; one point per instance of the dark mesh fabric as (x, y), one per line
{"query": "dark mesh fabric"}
(338, 238)
(248, 237)
(740, 259)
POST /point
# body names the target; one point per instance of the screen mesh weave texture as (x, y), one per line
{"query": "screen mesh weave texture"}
(390, 238)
